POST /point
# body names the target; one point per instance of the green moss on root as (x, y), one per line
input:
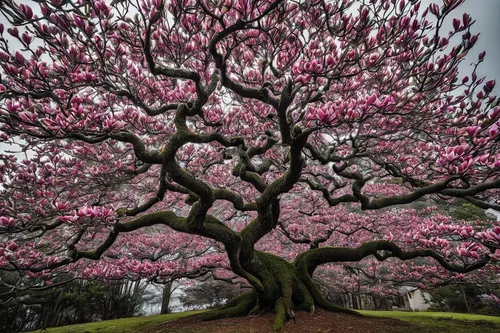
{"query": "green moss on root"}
(238, 307)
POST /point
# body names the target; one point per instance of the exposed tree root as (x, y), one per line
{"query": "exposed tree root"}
(287, 287)
(323, 303)
(279, 315)
(256, 309)
(238, 307)
(249, 304)
(315, 293)
(303, 297)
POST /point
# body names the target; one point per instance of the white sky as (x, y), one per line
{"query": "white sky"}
(485, 12)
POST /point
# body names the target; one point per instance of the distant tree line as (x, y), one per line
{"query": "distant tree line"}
(208, 294)
(469, 298)
(74, 302)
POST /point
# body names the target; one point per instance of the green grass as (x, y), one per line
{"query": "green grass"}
(125, 325)
(443, 322)
(435, 315)
(423, 322)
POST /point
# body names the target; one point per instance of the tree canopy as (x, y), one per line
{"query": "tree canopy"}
(256, 140)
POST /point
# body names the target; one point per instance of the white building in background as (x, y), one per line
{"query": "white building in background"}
(494, 213)
(414, 299)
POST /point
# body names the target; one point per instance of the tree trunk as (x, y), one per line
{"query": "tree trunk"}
(167, 293)
(465, 299)
(283, 288)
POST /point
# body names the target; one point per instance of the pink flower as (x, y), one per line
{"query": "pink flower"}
(11, 246)
(371, 99)
(19, 57)
(7, 221)
(434, 9)
(13, 32)
(472, 130)
(27, 11)
(69, 218)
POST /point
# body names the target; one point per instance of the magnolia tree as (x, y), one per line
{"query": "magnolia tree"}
(276, 135)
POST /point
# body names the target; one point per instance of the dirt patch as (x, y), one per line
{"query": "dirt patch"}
(322, 322)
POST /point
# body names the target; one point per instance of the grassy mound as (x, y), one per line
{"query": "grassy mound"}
(322, 321)
(125, 325)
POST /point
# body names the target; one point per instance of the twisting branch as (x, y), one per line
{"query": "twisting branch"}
(311, 259)
(160, 194)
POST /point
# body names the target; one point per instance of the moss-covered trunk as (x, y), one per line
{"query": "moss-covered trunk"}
(285, 289)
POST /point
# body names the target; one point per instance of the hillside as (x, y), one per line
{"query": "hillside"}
(322, 321)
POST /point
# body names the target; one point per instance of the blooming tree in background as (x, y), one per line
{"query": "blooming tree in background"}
(238, 136)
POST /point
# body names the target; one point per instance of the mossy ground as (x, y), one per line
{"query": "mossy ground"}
(125, 325)
(445, 322)
(322, 321)
(415, 316)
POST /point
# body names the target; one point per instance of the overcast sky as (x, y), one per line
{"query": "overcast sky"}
(486, 13)
(487, 16)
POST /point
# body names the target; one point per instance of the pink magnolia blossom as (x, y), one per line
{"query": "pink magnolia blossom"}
(245, 131)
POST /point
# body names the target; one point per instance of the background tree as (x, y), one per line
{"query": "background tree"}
(209, 294)
(66, 301)
(469, 298)
(248, 123)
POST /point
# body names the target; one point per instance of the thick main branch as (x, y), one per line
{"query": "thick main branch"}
(311, 259)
